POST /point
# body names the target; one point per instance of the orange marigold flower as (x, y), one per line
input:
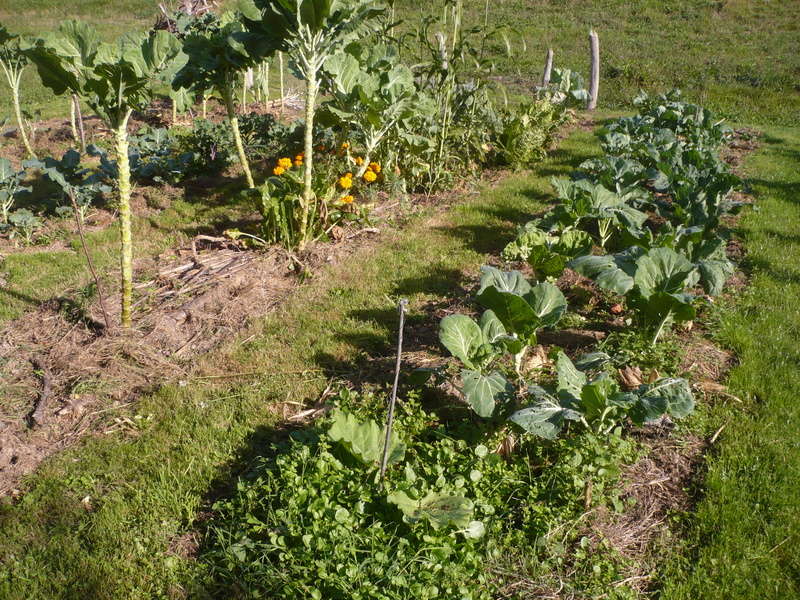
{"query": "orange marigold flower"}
(345, 145)
(347, 199)
(285, 163)
(375, 166)
(370, 176)
(359, 161)
(300, 156)
(278, 170)
(298, 162)
(345, 182)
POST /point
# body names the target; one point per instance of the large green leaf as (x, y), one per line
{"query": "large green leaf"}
(544, 419)
(547, 302)
(664, 270)
(570, 379)
(604, 271)
(364, 440)
(595, 396)
(462, 337)
(513, 282)
(438, 509)
(484, 392)
(675, 392)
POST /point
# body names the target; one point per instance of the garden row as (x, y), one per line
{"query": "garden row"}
(382, 122)
(476, 489)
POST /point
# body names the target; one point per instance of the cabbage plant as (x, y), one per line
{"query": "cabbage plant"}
(653, 281)
(371, 93)
(114, 80)
(598, 403)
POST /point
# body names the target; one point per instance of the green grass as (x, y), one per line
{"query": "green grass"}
(744, 535)
(147, 488)
(738, 57)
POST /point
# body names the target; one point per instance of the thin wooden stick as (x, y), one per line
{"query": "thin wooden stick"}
(401, 308)
(89, 260)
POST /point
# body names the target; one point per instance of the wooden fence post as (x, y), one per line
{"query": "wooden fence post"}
(594, 84)
(548, 68)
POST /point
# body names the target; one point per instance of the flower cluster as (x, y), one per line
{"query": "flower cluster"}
(286, 163)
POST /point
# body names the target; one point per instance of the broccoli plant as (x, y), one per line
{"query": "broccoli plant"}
(13, 62)
(114, 79)
(25, 223)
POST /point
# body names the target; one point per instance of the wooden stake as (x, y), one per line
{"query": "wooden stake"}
(548, 68)
(594, 85)
(401, 308)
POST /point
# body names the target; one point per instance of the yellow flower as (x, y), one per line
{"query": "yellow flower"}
(300, 156)
(375, 167)
(347, 199)
(359, 161)
(298, 162)
(345, 182)
(278, 170)
(345, 145)
(285, 163)
(370, 176)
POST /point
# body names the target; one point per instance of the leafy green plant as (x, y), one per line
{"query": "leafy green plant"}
(72, 181)
(522, 308)
(547, 252)
(371, 93)
(217, 55)
(25, 223)
(477, 346)
(114, 79)
(598, 403)
(654, 282)
(527, 132)
(11, 186)
(582, 201)
(13, 62)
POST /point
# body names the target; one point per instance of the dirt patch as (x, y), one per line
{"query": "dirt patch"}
(652, 488)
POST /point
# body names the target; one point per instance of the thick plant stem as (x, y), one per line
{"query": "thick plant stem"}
(661, 327)
(308, 157)
(237, 137)
(77, 104)
(20, 122)
(280, 70)
(73, 125)
(205, 106)
(126, 240)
